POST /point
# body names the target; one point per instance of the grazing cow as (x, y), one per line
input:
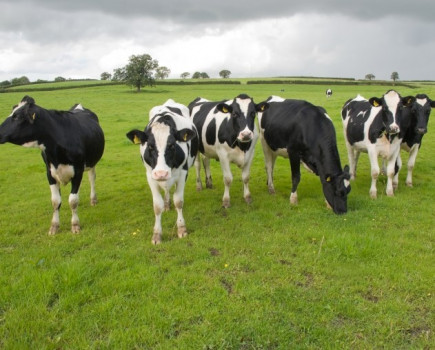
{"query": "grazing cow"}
(412, 129)
(373, 126)
(70, 142)
(328, 93)
(227, 133)
(168, 147)
(298, 130)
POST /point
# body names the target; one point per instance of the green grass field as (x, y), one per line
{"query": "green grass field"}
(259, 276)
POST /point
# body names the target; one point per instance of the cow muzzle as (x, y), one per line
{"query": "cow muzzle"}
(161, 175)
(421, 131)
(394, 129)
(245, 136)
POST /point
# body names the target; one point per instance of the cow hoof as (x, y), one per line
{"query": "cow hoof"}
(373, 195)
(226, 203)
(209, 185)
(293, 199)
(199, 186)
(75, 228)
(94, 202)
(156, 240)
(53, 229)
(182, 232)
(248, 199)
(271, 190)
(409, 184)
(167, 207)
(390, 193)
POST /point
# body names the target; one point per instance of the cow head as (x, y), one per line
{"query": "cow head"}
(19, 128)
(336, 188)
(159, 147)
(242, 111)
(421, 109)
(392, 104)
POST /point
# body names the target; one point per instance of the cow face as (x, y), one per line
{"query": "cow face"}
(160, 149)
(392, 105)
(421, 109)
(242, 111)
(336, 188)
(19, 128)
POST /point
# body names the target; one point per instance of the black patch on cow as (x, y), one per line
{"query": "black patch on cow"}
(210, 134)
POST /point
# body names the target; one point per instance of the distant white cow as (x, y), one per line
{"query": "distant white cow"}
(328, 93)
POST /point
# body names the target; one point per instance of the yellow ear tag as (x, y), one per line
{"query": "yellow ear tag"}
(136, 140)
(263, 107)
(328, 179)
(375, 103)
(225, 109)
(34, 116)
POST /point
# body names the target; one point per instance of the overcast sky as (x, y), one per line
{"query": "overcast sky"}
(44, 39)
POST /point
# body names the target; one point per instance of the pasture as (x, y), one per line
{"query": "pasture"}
(261, 276)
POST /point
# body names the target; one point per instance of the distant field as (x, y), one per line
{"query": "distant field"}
(259, 276)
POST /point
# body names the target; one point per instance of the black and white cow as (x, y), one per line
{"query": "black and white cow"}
(302, 132)
(412, 129)
(328, 93)
(70, 142)
(227, 133)
(168, 147)
(373, 126)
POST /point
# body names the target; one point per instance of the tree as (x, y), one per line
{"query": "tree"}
(119, 74)
(105, 76)
(225, 73)
(162, 72)
(395, 76)
(5, 83)
(185, 75)
(139, 71)
(20, 81)
(204, 75)
(59, 79)
(196, 75)
(370, 76)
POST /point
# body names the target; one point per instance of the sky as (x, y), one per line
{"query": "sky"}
(80, 39)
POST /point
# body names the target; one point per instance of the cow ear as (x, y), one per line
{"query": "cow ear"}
(224, 108)
(375, 102)
(185, 135)
(262, 106)
(432, 104)
(407, 101)
(31, 117)
(137, 137)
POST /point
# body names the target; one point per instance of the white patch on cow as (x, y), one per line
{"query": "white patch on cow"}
(34, 144)
(63, 173)
(359, 98)
(161, 134)
(421, 101)
(80, 107)
(276, 99)
(21, 104)
(392, 99)
(327, 116)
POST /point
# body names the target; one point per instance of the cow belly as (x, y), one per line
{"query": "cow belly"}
(281, 152)
(63, 173)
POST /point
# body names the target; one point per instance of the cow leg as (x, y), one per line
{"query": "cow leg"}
(374, 166)
(353, 159)
(295, 165)
(246, 172)
(159, 207)
(208, 180)
(92, 176)
(56, 201)
(391, 169)
(198, 172)
(269, 162)
(167, 200)
(73, 201)
(411, 163)
(178, 203)
(228, 179)
(397, 168)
